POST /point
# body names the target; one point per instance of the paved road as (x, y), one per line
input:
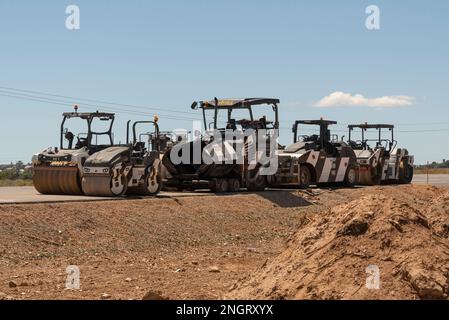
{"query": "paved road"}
(438, 180)
(30, 195)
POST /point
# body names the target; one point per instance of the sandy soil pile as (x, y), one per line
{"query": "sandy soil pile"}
(405, 233)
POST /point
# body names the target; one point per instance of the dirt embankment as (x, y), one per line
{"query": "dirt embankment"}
(399, 233)
(182, 248)
(277, 245)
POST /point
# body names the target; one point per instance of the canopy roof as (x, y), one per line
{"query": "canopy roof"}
(316, 122)
(88, 115)
(371, 126)
(235, 103)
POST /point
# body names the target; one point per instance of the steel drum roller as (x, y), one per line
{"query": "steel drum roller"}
(57, 180)
(103, 186)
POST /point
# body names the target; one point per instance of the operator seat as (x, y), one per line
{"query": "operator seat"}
(232, 125)
(69, 136)
(138, 149)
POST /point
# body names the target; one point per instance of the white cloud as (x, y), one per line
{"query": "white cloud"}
(342, 99)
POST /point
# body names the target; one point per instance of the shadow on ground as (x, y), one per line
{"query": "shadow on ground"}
(285, 199)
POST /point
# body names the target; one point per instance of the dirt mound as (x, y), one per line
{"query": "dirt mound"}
(402, 236)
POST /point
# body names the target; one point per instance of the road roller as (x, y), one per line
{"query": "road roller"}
(318, 159)
(132, 169)
(224, 165)
(93, 165)
(381, 160)
(59, 170)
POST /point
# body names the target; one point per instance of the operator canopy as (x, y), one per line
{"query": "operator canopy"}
(89, 115)
(371, 126)
(316, 122)
(233, 103)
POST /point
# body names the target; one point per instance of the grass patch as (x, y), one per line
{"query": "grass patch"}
(432, 171)
(16, 182)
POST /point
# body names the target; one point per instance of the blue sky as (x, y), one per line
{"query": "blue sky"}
(165, 54)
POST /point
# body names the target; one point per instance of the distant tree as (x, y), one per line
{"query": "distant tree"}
(26, 175)
(10, 174)
(445, 163)
(19, 165)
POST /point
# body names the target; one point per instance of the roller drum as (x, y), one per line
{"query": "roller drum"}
(103, 186)
(57, 180)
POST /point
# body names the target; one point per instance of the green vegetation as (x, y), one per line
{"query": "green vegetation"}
(432, 171)
(433, 168)
(18, 174)
(15, 183)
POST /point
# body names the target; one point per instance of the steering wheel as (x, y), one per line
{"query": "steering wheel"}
(358, 144)
(81, 142)
(248, 124)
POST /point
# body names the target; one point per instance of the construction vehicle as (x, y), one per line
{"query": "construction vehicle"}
(59, 170)
(379, 158)
(223, 176)
(167, 140)
(315, 159)
(97, 169)
(132, 169)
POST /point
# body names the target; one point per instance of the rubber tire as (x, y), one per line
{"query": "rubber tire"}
(305, 177)
(213, 186)
(180, 187)
(221, 185)
(350, 179)
(376, 176)
(234, 185)
(406, 174)
(257, 184)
